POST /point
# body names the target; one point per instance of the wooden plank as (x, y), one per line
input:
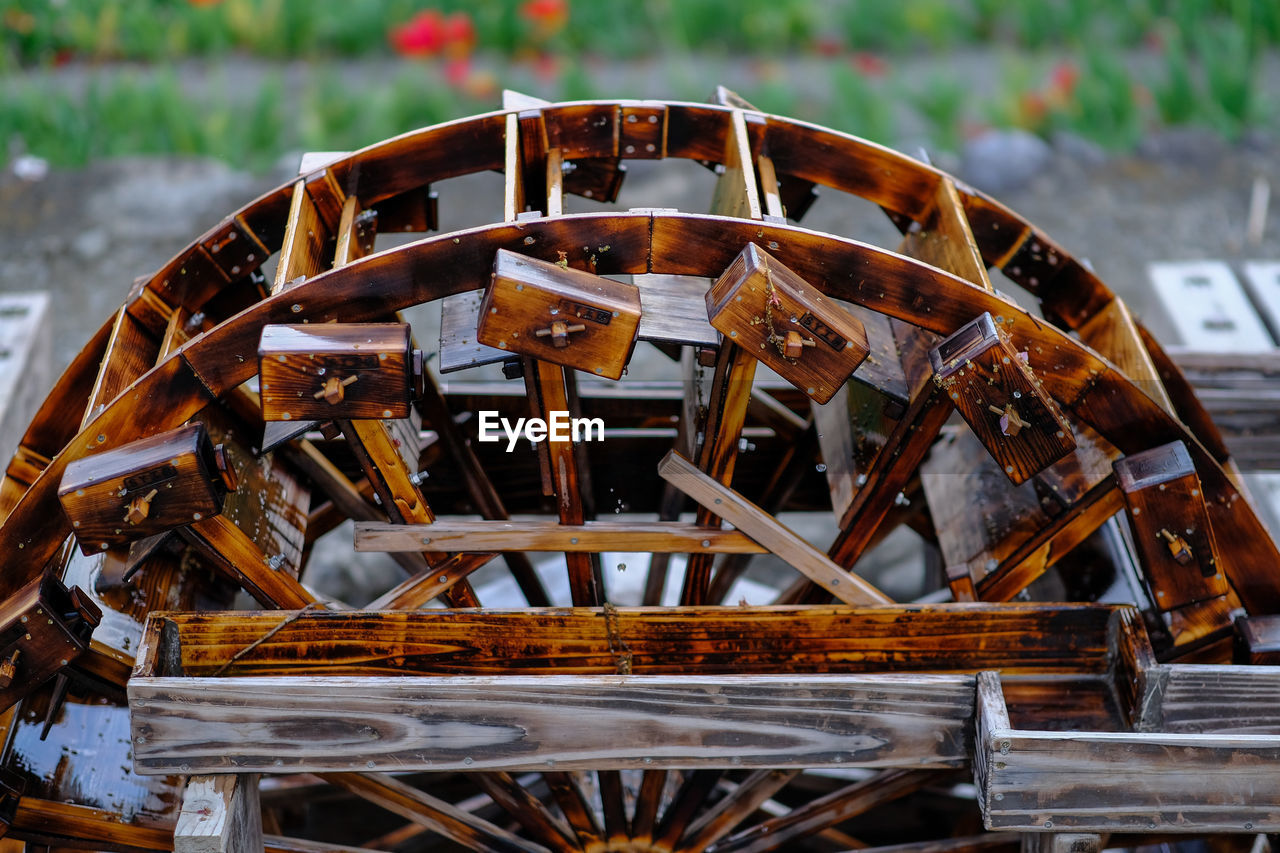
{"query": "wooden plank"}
(1120, 781)
(722, 427)
(652, 537)
(1114, 333)
(768, 531)
(319, 724)
(220, 814)
(832, 638)
(549, 394)
(513, 201)
(737, 193)
(1211, 699)
(1062, 842)
(301, 255)
(225, 546)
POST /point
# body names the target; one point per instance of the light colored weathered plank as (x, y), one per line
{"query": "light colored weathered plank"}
(768, 531)
(220, 814)
(304, 239)
(1212, 699)
(1121, 781)
(25, 363)
(317, 724)
(452, 535)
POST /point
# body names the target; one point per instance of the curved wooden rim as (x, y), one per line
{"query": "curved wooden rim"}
(217, 361)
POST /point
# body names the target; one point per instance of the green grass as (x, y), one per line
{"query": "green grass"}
(36, 32)
(1206, 67)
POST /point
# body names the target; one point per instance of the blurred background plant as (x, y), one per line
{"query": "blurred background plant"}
(249, 80)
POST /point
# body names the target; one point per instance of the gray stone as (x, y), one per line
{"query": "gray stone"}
(999, 160)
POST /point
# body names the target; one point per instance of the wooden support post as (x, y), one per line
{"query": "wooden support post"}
(220, 814)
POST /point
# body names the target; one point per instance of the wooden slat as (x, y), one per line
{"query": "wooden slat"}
(593, 536)
(433, 813)
(1113, 333)
(318, 724)
(737, 193)
(220, 814)
(733, 809)
(1120, 781)
(941, 638)
(513, 184)
(302, 254)
(769, 532)
(227, 547)
(548, 382)
(833, 809)
(404, 503)
(1209, 699)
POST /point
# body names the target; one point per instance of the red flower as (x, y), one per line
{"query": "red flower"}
(423, 35)
(1062, 79)
(459, 33)
(547, 16)
(870, 64)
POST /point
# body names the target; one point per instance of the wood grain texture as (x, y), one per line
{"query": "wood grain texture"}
(759, 304)
(220, 814)
(769, 532)
(317, 724)
(1204, 698)
(302, 253)
(773, 639)
(1114, 333)
(372, 364)
(451, 535)
(1170, 526)
(433, 813)
(171, 478)
(527, 298)
(1003, 401)
(1115, 781)
(1096, 401)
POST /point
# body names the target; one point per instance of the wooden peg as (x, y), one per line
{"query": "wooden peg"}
(559, 331)
(793, 346)
(1010, 422)
(1178, 546)
(8, 669)
(140, 507)
(333, 391)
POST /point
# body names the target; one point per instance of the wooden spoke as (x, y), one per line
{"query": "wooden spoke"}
(733, 809)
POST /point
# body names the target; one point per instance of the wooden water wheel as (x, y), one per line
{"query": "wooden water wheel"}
(221, 426)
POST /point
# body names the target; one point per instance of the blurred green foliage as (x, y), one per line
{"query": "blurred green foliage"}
(1114, 70)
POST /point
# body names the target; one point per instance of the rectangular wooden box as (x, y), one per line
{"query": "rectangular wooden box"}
(47, 627)
(991, 384)
(1197, 773)
(349, 371)
(143, 488)
(1170, 525)
(778, 317)
(559, 314)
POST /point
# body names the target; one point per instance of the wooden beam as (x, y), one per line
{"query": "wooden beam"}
(224, 545)
(671, 537)
(969, 638)
(513, 722)
(220, 814)
(768, 531)
(1121, 781)
(301, 254)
